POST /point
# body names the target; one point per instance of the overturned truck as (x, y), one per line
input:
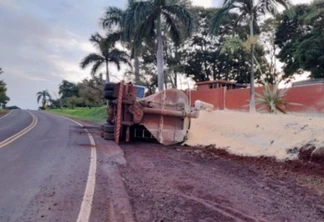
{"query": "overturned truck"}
(164, 116)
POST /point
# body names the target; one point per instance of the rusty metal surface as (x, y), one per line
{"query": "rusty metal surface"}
(137, 111)
(119, 111)
(166, 115)
(167, 129)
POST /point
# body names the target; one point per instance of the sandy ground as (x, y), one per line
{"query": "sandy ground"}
(280, 136)
(182, 184)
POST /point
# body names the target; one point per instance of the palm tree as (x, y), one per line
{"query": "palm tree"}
(249, 11)
(114, 18)
(148, 18)
(44, 96)
(107, 54)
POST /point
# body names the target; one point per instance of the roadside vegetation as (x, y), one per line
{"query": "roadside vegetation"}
(4, 99)
(168, 41)
(161, 43)
(3, 111)
(98, 114)
(83, 100)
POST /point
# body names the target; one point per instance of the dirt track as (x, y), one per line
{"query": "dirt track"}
(168, 184)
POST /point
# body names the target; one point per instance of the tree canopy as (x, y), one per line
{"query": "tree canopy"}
(4, 99)
(301, 40)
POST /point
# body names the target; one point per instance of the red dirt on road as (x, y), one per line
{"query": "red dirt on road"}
(186, 184)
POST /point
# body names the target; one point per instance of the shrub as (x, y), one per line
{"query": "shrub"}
(273, 99)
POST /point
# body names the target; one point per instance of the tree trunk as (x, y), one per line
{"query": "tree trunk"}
(252, 91)
(107, 73)
(137, 68)
(159, 56)
(44, 102)
(176, 80)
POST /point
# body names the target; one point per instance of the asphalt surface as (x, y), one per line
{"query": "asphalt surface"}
(54, 172)
(43, 174)
(13, 123)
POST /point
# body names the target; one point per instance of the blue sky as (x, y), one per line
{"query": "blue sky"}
(43, 41)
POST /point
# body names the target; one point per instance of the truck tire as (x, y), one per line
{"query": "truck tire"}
(109, 128)
(110, 86)
(109, 136)
(109, 95)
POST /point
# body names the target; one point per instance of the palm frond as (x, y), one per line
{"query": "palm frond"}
(182, 15)
(118, 56)
(271, 6)
(125, 61)
(174, 30)
(96, 39)
(147, 28)
(96, 66)
(114, 37)
(91, 58)
(113, 17)
(39, 97)
(135, 15)
(217, 19)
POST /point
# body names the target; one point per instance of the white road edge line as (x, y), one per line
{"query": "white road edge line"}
(6, 115)
(86, 205)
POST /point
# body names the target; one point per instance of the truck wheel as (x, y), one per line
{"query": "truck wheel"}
(109, 136)
(110, 86)
(109, 128)
(109, 95)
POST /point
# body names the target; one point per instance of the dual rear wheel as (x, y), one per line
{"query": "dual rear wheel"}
(109, 91)
(108, 132)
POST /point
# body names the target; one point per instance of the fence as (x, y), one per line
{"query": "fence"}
(308, 98)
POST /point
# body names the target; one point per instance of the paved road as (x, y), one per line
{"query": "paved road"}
(13, 123)
(44, 175)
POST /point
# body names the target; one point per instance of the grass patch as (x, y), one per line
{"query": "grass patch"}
(94, 114)
(3, 111)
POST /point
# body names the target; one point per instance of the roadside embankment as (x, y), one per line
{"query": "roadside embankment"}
(284, 137)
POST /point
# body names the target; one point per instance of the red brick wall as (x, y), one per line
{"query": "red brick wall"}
(310, 98)
(238, 99)
(213, 96)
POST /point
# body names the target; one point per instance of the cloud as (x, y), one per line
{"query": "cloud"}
(205, 3)
(43, 42)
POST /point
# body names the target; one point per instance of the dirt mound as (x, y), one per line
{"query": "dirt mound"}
(245, 134)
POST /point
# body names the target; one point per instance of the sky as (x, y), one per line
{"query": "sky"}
(42, 42)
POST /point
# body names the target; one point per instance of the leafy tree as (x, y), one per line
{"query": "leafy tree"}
(108, 53)
(68, 89)
(249, 12)
(205, 57)
(148, 18)
(44, 96)
(73, 102)
(4, 99)
(301, 40)
(92, 92)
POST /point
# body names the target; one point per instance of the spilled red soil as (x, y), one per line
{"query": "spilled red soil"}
(194, 184)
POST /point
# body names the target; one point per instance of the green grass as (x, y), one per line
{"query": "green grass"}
(3, 111)
(93, 114)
